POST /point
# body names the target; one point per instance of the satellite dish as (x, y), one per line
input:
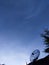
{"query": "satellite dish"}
(34, 56)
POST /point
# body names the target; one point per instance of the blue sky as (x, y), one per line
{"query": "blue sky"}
(21, 23)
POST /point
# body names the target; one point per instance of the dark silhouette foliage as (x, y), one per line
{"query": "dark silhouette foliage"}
(45, 35)
(43, 61)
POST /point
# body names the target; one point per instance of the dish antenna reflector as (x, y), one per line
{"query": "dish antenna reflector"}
(34, 56)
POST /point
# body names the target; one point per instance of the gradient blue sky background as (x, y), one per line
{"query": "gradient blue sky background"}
(21, 23)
